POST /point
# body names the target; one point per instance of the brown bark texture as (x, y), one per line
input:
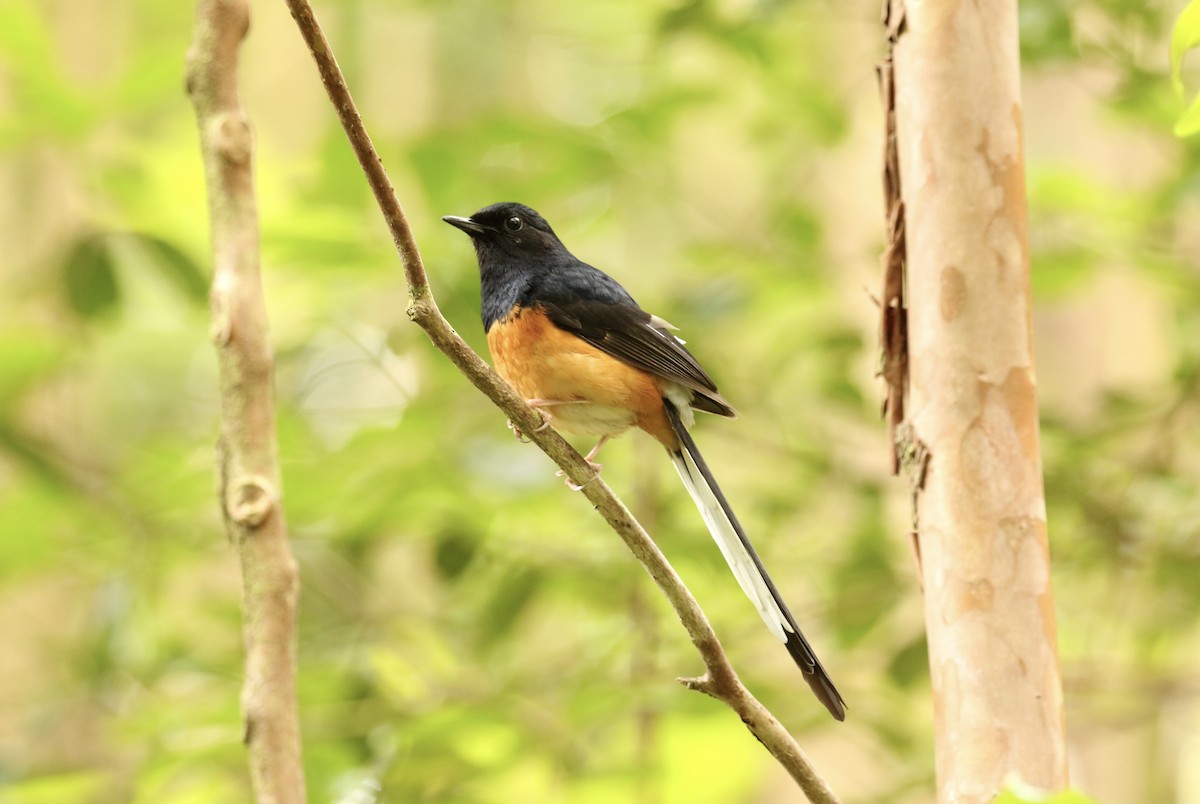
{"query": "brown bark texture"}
(249, 484)
(972, 399)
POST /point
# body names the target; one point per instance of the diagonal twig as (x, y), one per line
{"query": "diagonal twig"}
(719, 680)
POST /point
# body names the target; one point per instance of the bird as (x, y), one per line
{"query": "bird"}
(578, 348)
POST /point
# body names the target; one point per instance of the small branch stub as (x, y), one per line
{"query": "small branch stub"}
(250, 500)
(220, 325)
(231, 137)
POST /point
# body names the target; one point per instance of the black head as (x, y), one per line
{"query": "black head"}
(508, 230)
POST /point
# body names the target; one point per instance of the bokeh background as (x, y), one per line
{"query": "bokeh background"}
(470, 631)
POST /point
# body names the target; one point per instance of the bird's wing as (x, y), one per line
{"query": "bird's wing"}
(629, 333)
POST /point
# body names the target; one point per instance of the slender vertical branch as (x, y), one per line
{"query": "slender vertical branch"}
(972, 408)
(719, 681)
(249, 488)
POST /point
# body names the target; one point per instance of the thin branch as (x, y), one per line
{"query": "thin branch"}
(247, 453)
(719, 681)
(644, 664)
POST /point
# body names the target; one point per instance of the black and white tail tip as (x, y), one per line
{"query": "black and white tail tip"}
(747, 567)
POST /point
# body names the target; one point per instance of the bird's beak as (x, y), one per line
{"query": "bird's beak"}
(466, 224)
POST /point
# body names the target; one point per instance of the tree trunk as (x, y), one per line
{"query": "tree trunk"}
(972, 402)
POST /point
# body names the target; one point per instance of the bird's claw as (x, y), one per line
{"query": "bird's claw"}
(537, 405)
(520, 434)
(571, 484)
(517, 432)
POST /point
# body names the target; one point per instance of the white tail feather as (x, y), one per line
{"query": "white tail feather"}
(725, 535)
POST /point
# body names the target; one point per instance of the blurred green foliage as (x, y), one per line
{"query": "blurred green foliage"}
(470, 631)
(1184, 37)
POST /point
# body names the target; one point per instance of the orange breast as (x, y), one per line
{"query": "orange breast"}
(544, 362)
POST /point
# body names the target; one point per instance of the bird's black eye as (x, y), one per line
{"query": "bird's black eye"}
(513, 224)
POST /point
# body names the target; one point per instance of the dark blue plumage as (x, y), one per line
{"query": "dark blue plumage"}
(530, 264)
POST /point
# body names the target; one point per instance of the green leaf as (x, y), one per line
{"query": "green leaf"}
(89, 278)
(1018, 792)
(1189, 123)
(1184, 37)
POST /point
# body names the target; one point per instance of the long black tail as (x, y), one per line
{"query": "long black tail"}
(746, 565)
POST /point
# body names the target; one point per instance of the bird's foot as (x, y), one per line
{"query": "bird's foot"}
(542, 406)
(571, 484)
(517, 432)
(594, 452)
(539, 405)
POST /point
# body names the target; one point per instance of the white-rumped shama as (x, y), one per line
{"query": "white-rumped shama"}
(582, 352)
